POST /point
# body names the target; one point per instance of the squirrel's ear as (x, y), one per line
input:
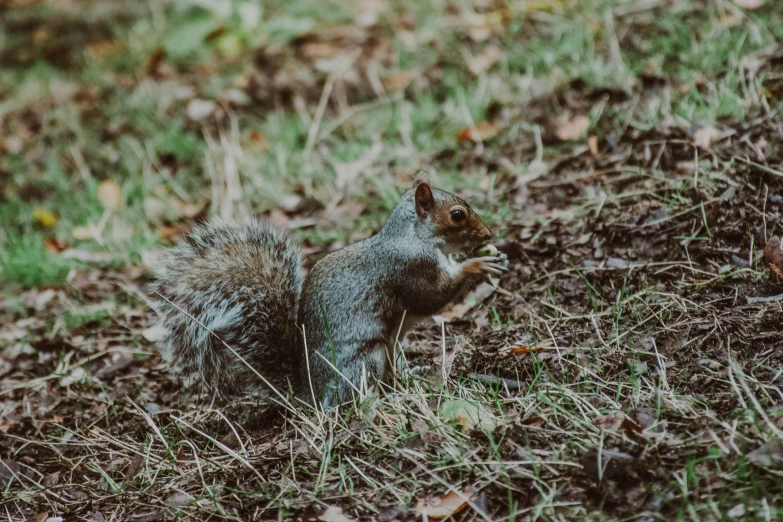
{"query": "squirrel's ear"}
(424, 199)
(421, 177)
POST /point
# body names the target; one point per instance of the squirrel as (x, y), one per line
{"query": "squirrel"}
(232, 290)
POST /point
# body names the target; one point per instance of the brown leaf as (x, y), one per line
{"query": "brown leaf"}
(750, 4)
(444, 505)
(525, 349)
(705, 137)
(13, 144)
(155, 61)
(592, 144)
(773, 255)
(644, 417)
(630, 426)
(51, 480)
(199, 109)
(231, 440)
(179, 499)
(573, 128)
(52, 244)
(110, 195)
(38, 517)
(171, 232)
(82, 233)
(481, 132)
(483, 61)
(9, 471)
(768, 455)
(319, 50)
(609, 422)
(135, 466)
(398, 80)
(99, 51)
(258, 140)
(334, 514)
(349, 209)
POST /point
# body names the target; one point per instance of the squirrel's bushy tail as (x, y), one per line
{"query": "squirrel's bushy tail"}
(242, 282)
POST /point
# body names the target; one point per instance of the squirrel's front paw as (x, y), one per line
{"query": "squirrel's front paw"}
(494, 265)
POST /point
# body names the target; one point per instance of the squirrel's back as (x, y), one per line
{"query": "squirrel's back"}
(240, 282)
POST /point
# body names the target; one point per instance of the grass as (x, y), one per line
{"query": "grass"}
(648, 374)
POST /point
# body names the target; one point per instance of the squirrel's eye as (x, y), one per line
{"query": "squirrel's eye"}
(458, 215)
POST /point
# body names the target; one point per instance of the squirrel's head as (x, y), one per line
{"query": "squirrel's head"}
(451, 218)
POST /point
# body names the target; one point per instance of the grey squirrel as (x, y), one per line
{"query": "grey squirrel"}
(243, 284)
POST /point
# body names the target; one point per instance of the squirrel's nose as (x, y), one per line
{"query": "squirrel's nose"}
(487, 234)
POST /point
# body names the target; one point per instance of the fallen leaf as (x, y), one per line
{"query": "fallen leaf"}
(199, 109)
(750, 4)
(115, 363)
(728, 21)
(171, 232)
(768, 455)
(52, 244)
(258, 140)
(482, 131)
(45, 218)
(737, 511)
(630, 426)
(483, 61)
(773, 255)
(39, 517)
(51, 480)
(350, 210)
(525, 349)
(444, 505)
(573, 128)
(135, 466)
(334, 514)
(469, 415)
(82, 233)
(178, 499)
(9, 471)
(236, 97)
(110, 195)
(231, 440)
(393, 513)
(13, 144)
(398, 80)
(101, 50)
(705, 137)
(155, 61)
(609, 422)
(645, 418)
(319, 50)
(592, 145)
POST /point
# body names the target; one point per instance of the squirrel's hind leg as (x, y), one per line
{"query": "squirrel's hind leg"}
(369, 363)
